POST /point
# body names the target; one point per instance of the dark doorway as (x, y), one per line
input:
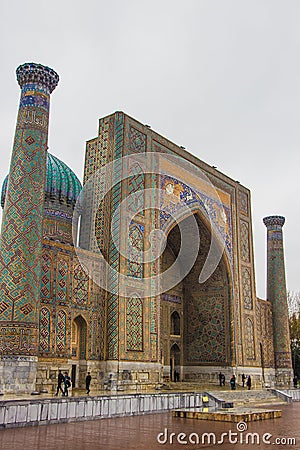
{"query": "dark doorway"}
(73, 375)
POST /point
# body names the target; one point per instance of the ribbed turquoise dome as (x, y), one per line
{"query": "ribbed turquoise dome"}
(62, 184)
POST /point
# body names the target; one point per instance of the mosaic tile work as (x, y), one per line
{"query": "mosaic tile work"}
(276, 290)
(136, 242)
(80, 285)
(98, 152)
(21, 237)
(134, 324)
(136, 185)
(205, 307)
(61, 192)
(244, 239)
(265, 331)
(243, 200)
(247, 288)
(219, 214)
(72, 289)
(61, 332)
(44, 330)
(206, 331)
(46, 278)
(113, 300)
(137, 141)
(249, 339)
(62, 281)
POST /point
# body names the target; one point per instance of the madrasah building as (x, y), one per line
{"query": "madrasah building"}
(147, 271)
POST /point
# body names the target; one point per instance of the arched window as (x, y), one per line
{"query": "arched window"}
(175, 323)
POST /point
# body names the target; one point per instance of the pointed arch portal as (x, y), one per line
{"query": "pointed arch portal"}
(204, 336)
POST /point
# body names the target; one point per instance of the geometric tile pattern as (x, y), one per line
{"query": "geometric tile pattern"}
(21, 239)
(249, 339)
(136, 243)
(74, 290)
(244, 241)
(80, 285)
(206, 309)
(247, 288)
(44, 330)
(137, 141)
(46, 278)
(18, 339)
(154, 269)
(276, 290)
(61, 331)
(136, 185)
(113, 301)
(265, 331)
(206, 330)
(134, 324)
(98, 152)
(62, 281)
(243, 198)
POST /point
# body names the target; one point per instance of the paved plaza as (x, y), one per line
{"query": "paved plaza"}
(141, 433)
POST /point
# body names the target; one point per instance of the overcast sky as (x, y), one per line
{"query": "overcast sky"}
(221, 78)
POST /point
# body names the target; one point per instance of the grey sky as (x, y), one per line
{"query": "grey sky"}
(218, 77)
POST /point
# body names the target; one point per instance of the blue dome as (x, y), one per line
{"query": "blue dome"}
(61, 183)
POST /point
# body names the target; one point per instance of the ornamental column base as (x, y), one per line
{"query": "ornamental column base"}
(18, 374)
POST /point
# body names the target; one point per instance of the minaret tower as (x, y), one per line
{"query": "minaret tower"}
(277, 295)
(21, 234)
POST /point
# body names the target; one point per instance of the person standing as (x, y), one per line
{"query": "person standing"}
(67, 381)
(243, 379)
(232, 382)
(88, 382)
(60, 380)
(249, 382)
(220, 378)
(223, 379)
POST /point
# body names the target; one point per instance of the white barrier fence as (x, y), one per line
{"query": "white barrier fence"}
(20, 413)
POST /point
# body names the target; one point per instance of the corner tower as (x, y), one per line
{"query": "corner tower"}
(22, 227)
(277, 295)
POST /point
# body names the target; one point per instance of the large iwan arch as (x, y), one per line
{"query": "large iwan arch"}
(204, 309)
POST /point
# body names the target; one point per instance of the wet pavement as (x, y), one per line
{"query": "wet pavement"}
(140, 432)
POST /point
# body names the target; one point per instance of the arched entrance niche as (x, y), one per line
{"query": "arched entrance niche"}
(202, 309)
(79, 351)
(175, 362)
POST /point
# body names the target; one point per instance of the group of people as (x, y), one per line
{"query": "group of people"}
(233, 381)
(248, 382)
(64, 383)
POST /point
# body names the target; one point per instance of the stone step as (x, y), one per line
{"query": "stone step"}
(241, 398)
